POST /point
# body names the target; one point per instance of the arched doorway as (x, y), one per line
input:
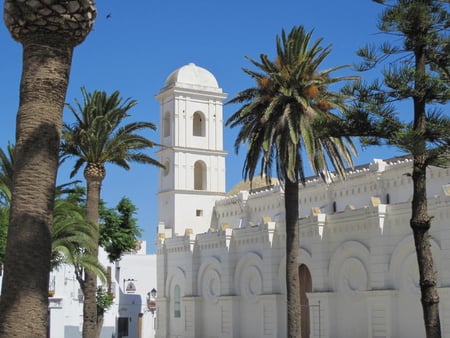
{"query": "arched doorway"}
(305, 287)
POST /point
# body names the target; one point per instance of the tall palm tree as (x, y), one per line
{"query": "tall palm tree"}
(48, 32)
(96, 138)
(276, 120)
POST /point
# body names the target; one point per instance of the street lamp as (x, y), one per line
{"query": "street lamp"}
(151, 301)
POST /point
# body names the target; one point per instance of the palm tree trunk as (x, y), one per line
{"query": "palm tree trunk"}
(90, 326)
(292, 246)
(43, 87)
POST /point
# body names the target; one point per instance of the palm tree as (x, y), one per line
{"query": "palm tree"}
(276, 120)
(71, 233)
(48, 32)
(96, 138)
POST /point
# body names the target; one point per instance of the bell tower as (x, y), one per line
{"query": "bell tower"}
(191, 135)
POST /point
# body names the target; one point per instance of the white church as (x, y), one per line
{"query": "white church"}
(221, 255)
(219, 270)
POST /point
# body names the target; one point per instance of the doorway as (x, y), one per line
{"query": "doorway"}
(305, 287)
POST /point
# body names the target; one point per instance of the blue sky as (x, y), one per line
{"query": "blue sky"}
(142, 42)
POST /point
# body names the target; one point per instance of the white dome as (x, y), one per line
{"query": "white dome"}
(192, 75)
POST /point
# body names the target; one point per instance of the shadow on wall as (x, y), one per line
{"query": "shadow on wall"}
(130, 306)
(74, 332)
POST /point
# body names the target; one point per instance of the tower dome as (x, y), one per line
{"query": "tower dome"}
(192, 75)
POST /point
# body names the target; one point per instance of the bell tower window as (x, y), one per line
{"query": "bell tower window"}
(198, 124)
(200, 175)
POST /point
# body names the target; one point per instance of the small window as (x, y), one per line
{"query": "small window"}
(177, 302)
(199, 212)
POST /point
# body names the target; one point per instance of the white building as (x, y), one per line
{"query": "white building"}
(136, 274)
(221, 258)
(132, 279)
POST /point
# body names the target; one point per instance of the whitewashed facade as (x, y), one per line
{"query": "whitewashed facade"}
(132, 279)
(224, 275)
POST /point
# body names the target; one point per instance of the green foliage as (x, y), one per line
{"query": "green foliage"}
(72, 235)
(6, 170)
(6, 174)
(415, 66)
(118, 229)
(279, 114)
(97, 136)
(104, 300)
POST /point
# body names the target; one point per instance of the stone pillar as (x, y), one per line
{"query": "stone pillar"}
(229, 306)
(320, 310)
(191, 316)
(275, 321)
(162, 317)
(444, 310)
(380, 312)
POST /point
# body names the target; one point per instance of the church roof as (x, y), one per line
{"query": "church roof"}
(192, 74)
(255, 185)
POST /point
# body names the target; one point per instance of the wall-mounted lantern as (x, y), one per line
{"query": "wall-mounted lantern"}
(151, 301)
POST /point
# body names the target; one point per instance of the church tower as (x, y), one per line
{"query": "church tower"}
(191, 135)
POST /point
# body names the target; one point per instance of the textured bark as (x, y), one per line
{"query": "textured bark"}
(48, 32)
(27, 261)
(90, 320)
(420, 224)
(292, 245)
(420, 221)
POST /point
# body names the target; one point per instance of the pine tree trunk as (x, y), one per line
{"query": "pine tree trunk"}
(420, 224)
(420, 221)
(292, 246)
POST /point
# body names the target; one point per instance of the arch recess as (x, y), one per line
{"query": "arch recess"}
(198, 124)
(403, 270)
(200, 170)
(248, 277)
(351, 259)
(209, 279)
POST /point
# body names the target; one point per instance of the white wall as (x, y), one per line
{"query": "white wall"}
(361, 259)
